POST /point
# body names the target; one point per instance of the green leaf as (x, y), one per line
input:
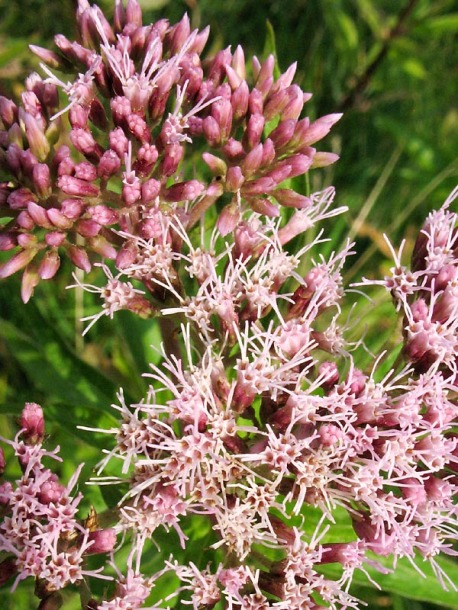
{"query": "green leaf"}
(441, 24)
(270, 47)
(407, 582)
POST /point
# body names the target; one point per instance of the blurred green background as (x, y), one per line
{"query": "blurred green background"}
(390, 65)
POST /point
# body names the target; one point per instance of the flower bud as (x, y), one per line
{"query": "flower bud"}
(55, 239)
(52, 59)
(49, 265)
(211, 130)
(17, 262)
(233, 149)
(84, 142)
(228, 219)
(234, 178)
(259, 186)
(85, 171)
(150, 190)
(102, 541)
(291, 199)
(32, 423)
(283, 133)
(8, 112)
(79, 257)
(36, 138)
(42, 179)
(254, 130)
(183, 191)
(77, 187)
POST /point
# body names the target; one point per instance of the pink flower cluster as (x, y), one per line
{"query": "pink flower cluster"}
(40, 534)
(140, 97)
(257, 418)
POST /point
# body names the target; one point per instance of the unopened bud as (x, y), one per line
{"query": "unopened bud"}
(32, 423)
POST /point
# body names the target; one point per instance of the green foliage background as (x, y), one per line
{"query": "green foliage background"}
(390, 65)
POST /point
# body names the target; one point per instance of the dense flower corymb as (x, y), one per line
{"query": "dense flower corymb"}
(109, 147)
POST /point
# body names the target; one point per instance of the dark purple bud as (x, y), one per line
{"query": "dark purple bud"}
(13, 158)
(28, 162)
(49, 265)
(97, 114)
(32, 423)
(79, 257)
(2, 462)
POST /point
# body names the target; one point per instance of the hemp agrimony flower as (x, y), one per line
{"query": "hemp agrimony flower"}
(257, 423)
